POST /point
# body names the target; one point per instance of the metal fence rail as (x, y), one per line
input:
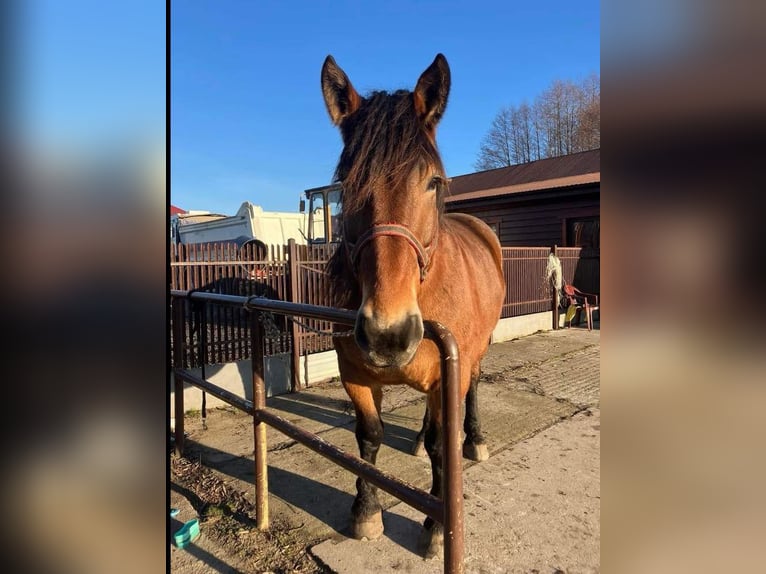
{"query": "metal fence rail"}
(447, 511)
(296, 273)
(292, 272)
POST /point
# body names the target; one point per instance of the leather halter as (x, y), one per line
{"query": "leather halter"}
(354, 250)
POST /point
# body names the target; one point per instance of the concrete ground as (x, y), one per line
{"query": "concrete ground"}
(534, 506)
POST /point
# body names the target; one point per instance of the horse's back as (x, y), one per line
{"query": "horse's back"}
(476, 234)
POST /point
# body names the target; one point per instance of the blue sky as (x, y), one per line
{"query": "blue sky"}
(247, 117)
(91, 74)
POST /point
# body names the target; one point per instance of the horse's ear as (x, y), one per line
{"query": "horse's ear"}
(432, 91)
(340, 97)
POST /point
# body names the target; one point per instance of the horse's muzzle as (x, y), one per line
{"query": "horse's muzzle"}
(392, 345)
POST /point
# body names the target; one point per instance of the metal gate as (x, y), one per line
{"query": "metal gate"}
(447, 511)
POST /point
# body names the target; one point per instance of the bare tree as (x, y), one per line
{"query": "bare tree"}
(559, 107)
(496, 145)
(564, 119)
(588, 134)
(512, 139)
(523, 134)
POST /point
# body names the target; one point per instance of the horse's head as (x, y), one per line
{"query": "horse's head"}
(393, 180)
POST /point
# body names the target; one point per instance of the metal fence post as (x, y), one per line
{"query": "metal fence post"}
(179, 306)
(452, 477)
(259, 427)
(293, 270)
(555, 295)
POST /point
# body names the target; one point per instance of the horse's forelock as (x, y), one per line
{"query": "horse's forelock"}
(383, 142)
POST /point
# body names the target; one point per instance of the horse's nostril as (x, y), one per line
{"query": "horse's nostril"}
(360, 332)
(411, 331)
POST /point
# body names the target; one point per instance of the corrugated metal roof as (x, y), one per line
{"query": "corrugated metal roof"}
(562, 171)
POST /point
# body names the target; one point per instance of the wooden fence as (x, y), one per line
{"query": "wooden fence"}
(527, 288)
(296, 273)
(581, 267)
(227, 269)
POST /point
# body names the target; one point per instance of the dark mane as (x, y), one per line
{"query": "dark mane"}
(344, 291)
(383, 140)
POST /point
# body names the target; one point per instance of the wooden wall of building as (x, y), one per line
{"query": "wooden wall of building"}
(535, 218)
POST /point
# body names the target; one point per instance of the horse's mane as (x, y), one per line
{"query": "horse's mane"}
(384, 141)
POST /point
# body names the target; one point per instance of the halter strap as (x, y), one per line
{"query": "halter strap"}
(391, 230)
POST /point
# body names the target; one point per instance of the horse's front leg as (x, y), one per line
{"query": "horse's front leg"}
(474, 445)
(366, 513)
(419, 446)
(432, 538)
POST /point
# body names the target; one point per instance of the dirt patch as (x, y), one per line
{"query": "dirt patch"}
(228, 520)
(526, 386)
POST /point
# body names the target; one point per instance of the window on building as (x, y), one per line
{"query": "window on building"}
(494, 225)
(583, 232)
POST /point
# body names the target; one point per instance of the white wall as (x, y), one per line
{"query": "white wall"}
(514, 327)
(236, 378)
(321, 367)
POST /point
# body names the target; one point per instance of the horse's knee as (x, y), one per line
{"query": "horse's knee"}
(370, 430)
(369, 436)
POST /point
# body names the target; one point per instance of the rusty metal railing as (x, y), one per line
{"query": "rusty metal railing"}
(448, 511)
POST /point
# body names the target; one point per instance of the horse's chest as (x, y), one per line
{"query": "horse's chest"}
(420, 373)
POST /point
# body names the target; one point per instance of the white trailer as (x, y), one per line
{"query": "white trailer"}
(250, 222)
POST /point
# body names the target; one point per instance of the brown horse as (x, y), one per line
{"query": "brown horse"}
(402, 261)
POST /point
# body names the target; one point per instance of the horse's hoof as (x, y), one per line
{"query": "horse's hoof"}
(477, 452)
(369, 527)
(431, 543)
(419, 449)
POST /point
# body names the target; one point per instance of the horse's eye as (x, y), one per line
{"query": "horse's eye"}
(435, 183)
